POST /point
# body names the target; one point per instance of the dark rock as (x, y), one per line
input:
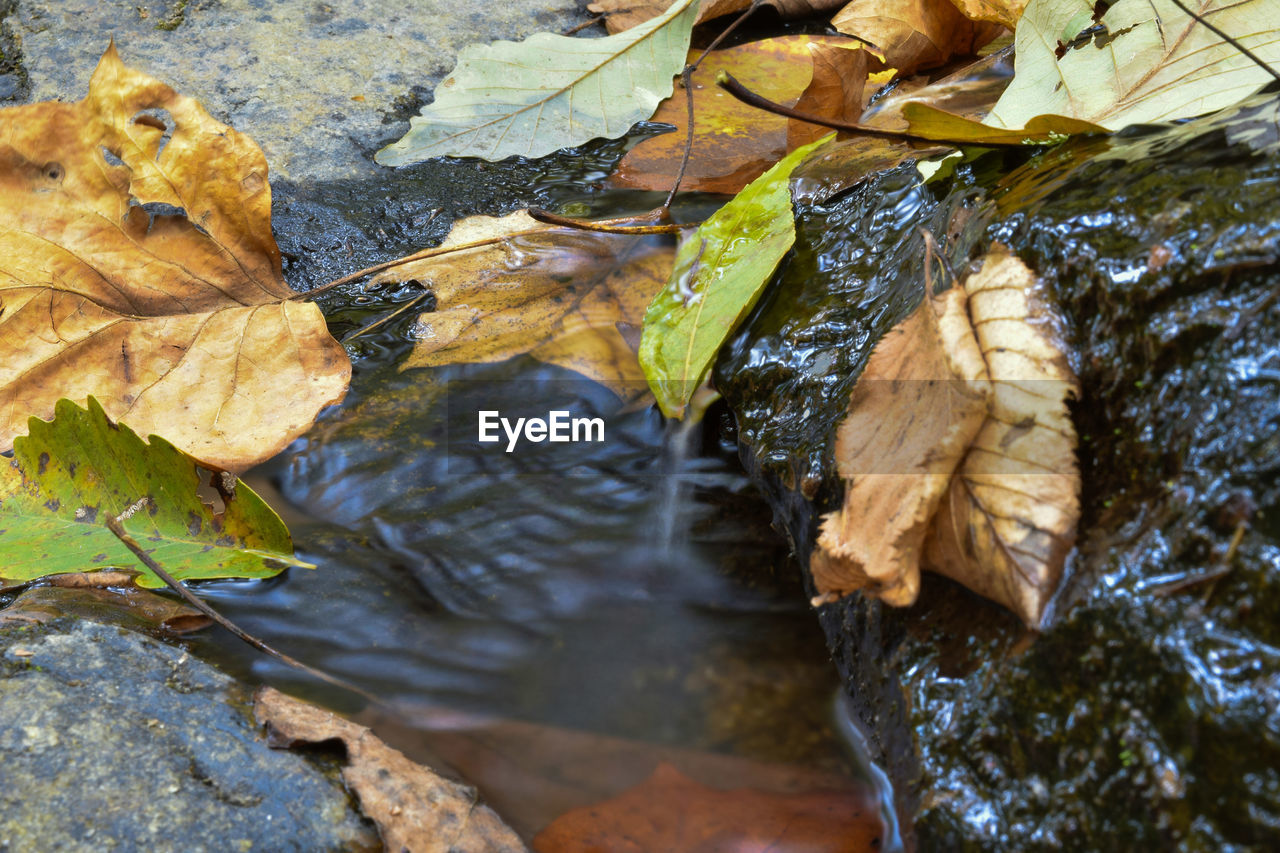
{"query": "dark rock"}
(1146, 715)
(111, 740)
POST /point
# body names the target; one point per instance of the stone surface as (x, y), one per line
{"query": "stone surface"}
(111, 740)
(319, 85)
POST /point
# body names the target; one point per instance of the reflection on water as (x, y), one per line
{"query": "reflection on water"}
(624, 592)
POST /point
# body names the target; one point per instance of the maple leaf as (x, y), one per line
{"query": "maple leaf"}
(137, 265)
(558, 294)
(958, 453)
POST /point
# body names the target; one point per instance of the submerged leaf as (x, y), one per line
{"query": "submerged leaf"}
(137, 265)
(958, 452)
(719, 274)
(68, 476)
(733, 143)
(558, 294)
(548, 92)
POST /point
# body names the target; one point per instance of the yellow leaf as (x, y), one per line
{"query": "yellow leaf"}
(137, 265)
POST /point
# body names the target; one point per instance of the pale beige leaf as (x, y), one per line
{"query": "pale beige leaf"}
(914, 412)
(1010, 516)
(177, 319)
(557, 294)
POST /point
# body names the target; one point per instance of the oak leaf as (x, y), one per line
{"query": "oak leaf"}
(958, 452)
(137, 265)
(558, 294)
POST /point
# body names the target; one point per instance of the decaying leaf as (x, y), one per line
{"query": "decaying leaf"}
(719, 273)
(914, 35)
(624, 14)
(137, 265)
(959, 453)
(914, 412)
(558, 294)
(836, 90)
(548, 92)
(414, 807)
(136, 609)
(673, 813)
(1009, 518)
(733, 144)
(68, 476)
(1144, 61)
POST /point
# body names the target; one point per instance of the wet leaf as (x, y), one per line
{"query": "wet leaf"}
(934, 123)
(1147, 62)
(733, 143)
(958, 452)
(673, 813)
(129, 607)
(558, 294)
(548, 92)
(68, 476)
(413, 806)
(137, 265)
(836, 90)
(719, 274)
(623, 14)
(914, 34)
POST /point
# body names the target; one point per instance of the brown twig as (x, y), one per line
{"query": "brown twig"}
(584, 25)
(1229, 40)
(113, 524)
(378, 322)
(416, 256)
(607, 226)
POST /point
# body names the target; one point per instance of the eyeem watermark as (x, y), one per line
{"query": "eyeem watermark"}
(557, 427)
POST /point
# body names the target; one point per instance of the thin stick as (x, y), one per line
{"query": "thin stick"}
(416, 256)
(113, 524)
(1229, 40)
(727, 82)
(606, 225)
(378, 322)
(580, 27)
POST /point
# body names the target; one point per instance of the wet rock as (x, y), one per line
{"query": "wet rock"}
(319, 85)
(111, 739)
(1145, 715)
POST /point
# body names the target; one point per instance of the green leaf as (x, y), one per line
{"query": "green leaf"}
(548, 92)
(718, 276)
(1148, 62)
(69, 475)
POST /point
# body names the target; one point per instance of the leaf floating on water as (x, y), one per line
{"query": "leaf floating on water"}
(68, 476)
(719, 274)
(137, 265)
(959, 453)
(548, 92)
(1009, 519)
(558, 294)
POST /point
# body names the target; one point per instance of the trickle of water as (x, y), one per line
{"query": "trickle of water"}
(681, 442)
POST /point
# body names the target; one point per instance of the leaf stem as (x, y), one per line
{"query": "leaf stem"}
(113, 524)
(610, 226)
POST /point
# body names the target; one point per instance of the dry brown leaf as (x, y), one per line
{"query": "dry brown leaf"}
(836, 91)
(914, 34)
(674, 814)
(733, 143)
(1003, 12)
(958, 453)
(137, 265)
(414, 807)
(624, 14)
(557, 294)
(1010, 516)
(917, 406)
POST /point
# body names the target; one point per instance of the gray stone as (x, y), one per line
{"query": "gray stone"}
(112, 740)
(319, 85)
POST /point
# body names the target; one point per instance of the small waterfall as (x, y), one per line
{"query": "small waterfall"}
(680, 443)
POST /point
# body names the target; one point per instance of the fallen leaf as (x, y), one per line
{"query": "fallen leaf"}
(934, 123)
(1010, 516)
(719, 274)
(836, 91)
(136, 609)
(914, 35)
(1145, 61)
(917, 407)
(733, 143)
(414, 807)
(672, 813)
(958, 452)
(548, 92)
(1003, 12)
(68, 476)
(557, 294)
(137, 265)
(624, 14)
